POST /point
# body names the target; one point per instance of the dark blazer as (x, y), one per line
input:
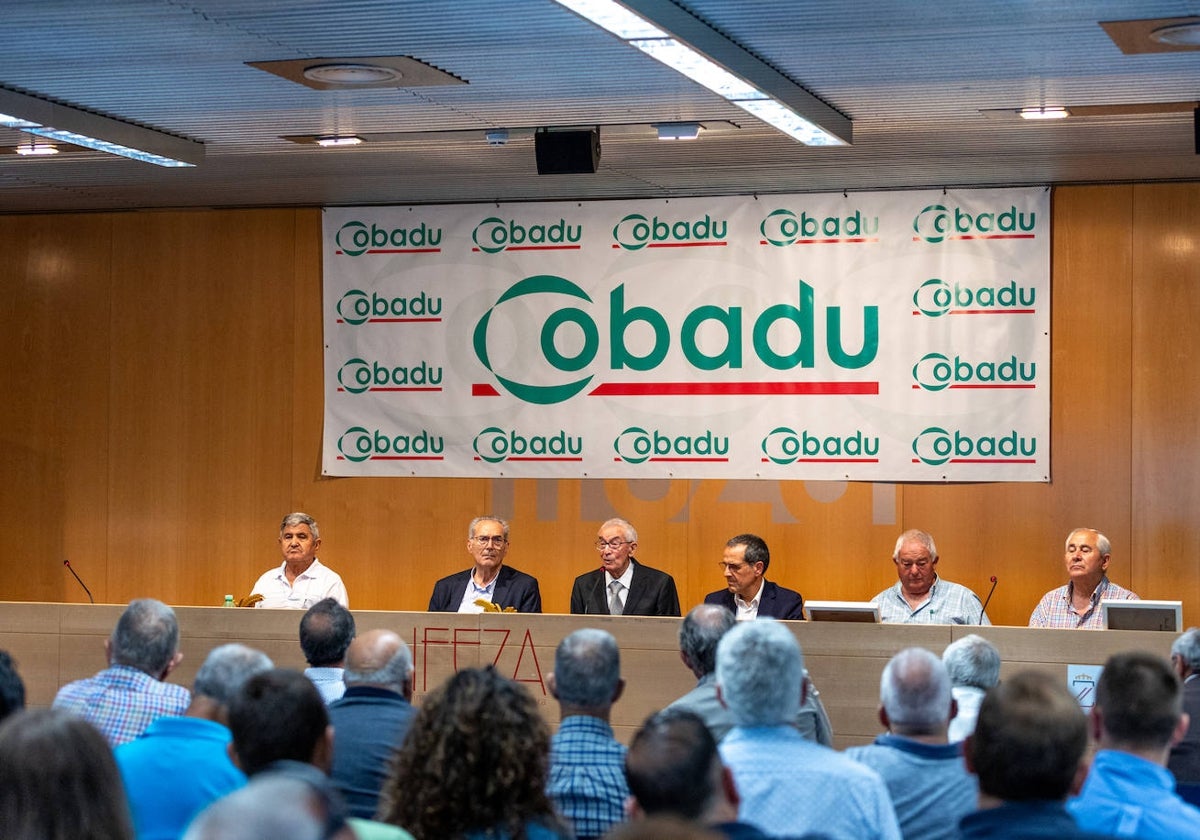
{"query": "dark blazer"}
(1185, 756)
(513, 589)
(776, 601)
(651, 592)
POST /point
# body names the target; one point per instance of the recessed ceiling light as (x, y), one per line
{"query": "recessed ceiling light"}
(346, 140)
(1052, 112)
(36, 149)
(351, 74)
(678, 131)
(1178, 35)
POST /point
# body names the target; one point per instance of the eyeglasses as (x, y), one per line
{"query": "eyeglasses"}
(614, 544)
(497, 540)
(733, 567)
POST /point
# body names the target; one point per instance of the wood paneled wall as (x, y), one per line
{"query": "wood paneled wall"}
(163, 410)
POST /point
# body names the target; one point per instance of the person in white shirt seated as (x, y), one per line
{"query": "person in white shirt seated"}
(301, 580)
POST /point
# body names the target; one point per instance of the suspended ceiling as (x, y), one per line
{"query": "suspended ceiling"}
(916, 78)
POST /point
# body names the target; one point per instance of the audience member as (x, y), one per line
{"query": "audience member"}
(181, 764)
(301, 579)
(748, 594)
(920, 596)
(1026, 751)
(58, 780)
(699, 633)
(666, 827)
(12, 688)
(326, 630)
(1136, 719)
(128, 695)
(488, 579)
(788, 784)
(587, 764)
(1077, 605)
(371, 720)
(474, 764)
(1184, 761)
(930, 787)
(973, 664)
(623, 585)
(271, 807)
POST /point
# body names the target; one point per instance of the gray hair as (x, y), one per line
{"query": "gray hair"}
(475, 522)
(394, 673)
(623, 524)
(298, 518)
(972, 661)
(760, 669)
(254, 812)
(226, 668)
(146, 636)
(700, 631)
(915, 692)
(1187, 648)
(917, 536)
(1102, 543)
(587, 668)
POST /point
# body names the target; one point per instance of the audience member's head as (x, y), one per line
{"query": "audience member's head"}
(475, 758)
(972, 661)
(379, 658)
(226, 669)
(1138, 704)
(326, 630)
(760, 673)
(146, 637)
(59, 780)
(699, 633)
(279, 715)
(1029, 739)
(1185, 653)
(587, 672)
(914, 692)
(673, 767)
(272, 805)
(12, 689)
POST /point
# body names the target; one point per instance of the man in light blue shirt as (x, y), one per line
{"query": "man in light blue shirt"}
(1136, 720)
(789, 786)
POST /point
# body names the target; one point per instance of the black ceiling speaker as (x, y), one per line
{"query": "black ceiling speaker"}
(566, 152)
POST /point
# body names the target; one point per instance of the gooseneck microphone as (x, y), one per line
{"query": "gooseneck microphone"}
(67, 563)
(596, 590)
(987, 600)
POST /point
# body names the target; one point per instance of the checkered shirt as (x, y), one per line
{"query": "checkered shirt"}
(122, 701)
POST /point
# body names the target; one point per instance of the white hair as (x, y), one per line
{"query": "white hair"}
(760, 669)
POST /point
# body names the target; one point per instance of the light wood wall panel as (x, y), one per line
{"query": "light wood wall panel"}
(165, 410)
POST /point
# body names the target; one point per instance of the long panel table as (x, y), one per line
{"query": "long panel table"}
(57, 643)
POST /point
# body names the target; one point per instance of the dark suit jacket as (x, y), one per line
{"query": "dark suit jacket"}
(651, 592)
(1185, 756)
(776, 601)
(513, 589)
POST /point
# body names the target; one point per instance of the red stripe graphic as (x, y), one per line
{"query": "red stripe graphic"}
(726, 389)
(399, 321)
(342, 390)
(536, 248)
(398, 251)
(681, 245)
(987, 312)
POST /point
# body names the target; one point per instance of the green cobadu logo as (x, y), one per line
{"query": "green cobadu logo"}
(636, 445)
(936, 297)
(937, 223)
(935, 446)
(494, 234)
(361, 444)
(937, 371)
(356, 307)
(549, 349)
(783, 227)
(359, 375)
(784, 445)
(357, 238)
(635, 231)
(494, 445)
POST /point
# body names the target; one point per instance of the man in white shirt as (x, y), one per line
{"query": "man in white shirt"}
(301, 580)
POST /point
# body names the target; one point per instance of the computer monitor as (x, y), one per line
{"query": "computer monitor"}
(862, 611)
(1118, 614)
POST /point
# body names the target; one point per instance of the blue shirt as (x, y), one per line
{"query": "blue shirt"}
(173, 772)
(122, 701)
(1128, 796)
(930, 787)
(791, 786)
(587, 775)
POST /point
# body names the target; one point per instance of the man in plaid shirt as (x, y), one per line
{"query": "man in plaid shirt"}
(1076, 606)
(128, 695)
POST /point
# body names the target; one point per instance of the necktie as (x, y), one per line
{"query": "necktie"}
(614, 598)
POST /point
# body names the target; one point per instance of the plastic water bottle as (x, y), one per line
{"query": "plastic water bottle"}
(229, 601)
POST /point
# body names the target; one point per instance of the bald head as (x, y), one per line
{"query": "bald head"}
(379, 658)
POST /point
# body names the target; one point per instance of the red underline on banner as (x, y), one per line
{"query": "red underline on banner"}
(681, 245)
(536, 248)
(986, 312)
(543, 460)
(988, 236)
(681, 460)
(686, 389)
(399, 321)
(986, 461)
(856, 239)
(398, 251)
(831, 460)
(973, 387)
(373, 390)
(399, 458)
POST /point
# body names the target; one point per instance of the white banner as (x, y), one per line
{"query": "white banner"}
(895, 336)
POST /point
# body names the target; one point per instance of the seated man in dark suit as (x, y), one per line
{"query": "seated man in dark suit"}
(623, 585)
(1184, 761)
(489, 579)
(748, 593)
